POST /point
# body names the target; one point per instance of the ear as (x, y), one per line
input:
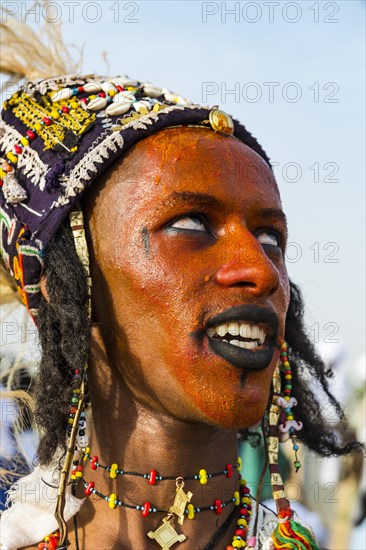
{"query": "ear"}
(43, 287)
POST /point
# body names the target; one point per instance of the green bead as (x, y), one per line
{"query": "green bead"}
(288, 386)
(297, 465)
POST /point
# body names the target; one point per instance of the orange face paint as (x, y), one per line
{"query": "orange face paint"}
(210, 217)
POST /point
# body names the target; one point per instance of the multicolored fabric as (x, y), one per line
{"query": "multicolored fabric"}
(56, 137)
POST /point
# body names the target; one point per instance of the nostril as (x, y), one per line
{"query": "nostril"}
(246, 284)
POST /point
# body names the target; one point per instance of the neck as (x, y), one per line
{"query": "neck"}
(139, 439)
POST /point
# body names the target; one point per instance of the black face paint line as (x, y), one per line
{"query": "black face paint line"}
(145, 240)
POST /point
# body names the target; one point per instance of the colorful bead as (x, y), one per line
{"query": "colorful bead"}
(218, 506)
(89, 488)
(240, 464)
(112, 500)
(152, 477)
(94, 463)
(113, 471)
(203, 476)
(190, 509)
(12, 157)
(229, 470)
(146, 509)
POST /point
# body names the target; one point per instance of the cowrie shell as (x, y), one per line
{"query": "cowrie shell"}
(65, 93)
(152, 91)
(92, 87)
(97, 103)
(124, 96)
(138, 105)
(120, 108)
(108, 86)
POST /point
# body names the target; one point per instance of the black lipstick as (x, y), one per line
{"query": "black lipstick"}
(246, 359)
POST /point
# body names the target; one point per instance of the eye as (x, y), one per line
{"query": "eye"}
(270, 238)
(191, 222)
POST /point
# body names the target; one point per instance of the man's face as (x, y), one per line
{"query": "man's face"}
(186, 227)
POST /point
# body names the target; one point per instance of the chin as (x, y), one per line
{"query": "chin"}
(241, 415)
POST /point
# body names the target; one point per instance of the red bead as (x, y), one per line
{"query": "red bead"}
(89, 487)
(84, 99)
(65, 109)
(229, 470)
(79, 468)
(102, 94)
(246, 491)
(244, 512)
(1, 182)
(47, 120)
(218, 506)
(146, 509)
(94, 461)
(31, 134)
(152, 477)
(80, 89)
(18, 149)
(120, 88)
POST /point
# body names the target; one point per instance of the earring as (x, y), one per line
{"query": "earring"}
(288, 533)
(288, 428)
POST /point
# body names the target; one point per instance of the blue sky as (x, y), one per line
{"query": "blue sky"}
(312, 49)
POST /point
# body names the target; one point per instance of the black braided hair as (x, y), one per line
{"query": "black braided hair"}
(65, 330)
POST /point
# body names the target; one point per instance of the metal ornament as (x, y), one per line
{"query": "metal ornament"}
(221, 122)
(166, 535)
(180, 502)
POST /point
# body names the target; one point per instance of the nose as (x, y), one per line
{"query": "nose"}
(251, 268)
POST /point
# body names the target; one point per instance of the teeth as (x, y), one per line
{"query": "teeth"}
(245, 330)
(245, 345)
(221, 330)
(233, 329)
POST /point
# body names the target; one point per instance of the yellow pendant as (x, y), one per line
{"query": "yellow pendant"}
(166, 535)
(180, 502)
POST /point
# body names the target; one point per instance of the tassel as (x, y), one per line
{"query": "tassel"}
(53, 174)
(292, 535)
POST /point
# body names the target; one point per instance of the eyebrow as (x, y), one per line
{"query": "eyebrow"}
(275, 213)
(200, 199)
(204, 199)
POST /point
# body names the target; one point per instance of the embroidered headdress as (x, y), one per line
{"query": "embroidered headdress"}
(57, 136)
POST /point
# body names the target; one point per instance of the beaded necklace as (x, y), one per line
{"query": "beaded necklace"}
(166, 534)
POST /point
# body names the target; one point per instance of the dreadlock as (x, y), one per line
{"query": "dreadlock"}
(65, 332)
